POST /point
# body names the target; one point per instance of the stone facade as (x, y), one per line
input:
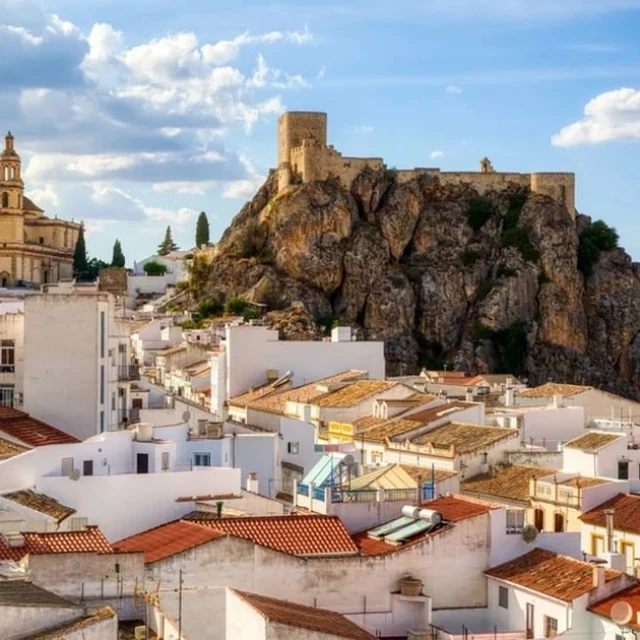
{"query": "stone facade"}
(35, 249)
(304, 155)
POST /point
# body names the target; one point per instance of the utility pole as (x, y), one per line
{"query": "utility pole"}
(180, 606)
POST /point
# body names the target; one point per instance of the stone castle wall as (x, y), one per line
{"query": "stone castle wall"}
(303, 154)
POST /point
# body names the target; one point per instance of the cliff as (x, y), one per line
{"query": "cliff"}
(441, 274)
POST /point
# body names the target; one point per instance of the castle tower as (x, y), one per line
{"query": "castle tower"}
(11, 185)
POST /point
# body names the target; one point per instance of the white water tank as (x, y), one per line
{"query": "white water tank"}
(144, 432)
(434, 517)
(411, 512)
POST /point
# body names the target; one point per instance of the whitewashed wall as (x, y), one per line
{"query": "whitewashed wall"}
(243, 622)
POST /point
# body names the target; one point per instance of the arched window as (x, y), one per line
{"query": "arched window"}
(5, 200)
(558, 523)
(538, 519)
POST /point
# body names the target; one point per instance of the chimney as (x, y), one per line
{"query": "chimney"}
(252, 482)
(608, 514)
(557, 401)
(509, 397)
(469, 395)
(599, 569)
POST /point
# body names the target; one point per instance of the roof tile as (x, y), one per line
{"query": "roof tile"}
(29, 431)
(550, 389)
(10, 449)
(68, 629)
(551, 574)
(510, 482)
(594, 441)
(466, 438)
(631, 596)
(40, 502)
(303, 617)
(626, 515)
(354, 393)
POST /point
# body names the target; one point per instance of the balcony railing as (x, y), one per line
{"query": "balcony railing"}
(128, 416)
(128, 372)
(339, 494)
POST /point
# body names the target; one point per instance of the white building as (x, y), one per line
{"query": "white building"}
(156, 335)
(139, 282)
(77, 362)
(11, 351)
(250, 356)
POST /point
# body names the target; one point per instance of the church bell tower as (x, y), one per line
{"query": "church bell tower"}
(11, 185)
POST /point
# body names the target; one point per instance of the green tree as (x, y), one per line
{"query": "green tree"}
(118, 259)
(153, 268)
(202, 230)
(80, 255)
(167, 245)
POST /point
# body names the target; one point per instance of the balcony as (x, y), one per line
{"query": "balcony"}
(127, 373)
(128, 416)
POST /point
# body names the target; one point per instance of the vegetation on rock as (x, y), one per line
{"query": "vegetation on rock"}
(479, 212)
(594, 240)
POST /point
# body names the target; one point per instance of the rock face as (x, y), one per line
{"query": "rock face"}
(440, 274)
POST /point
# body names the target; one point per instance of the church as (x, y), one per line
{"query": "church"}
(34, 249)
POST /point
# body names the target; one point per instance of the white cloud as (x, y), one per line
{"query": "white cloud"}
(364, 129)
(436, 154)
(244, 189)
(452, 88)
(322, 72)
(24, 34)
(184, 187)
(614, 115)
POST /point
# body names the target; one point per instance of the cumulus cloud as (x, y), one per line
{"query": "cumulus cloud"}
(452, 88)
(434, 155)
(613, 115)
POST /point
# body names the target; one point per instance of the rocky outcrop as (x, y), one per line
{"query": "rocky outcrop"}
(440, 274)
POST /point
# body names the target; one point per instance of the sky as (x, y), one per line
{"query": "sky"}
(138, 114)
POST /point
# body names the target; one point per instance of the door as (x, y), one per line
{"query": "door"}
(142, 463)
(539, 519)
(529, 625)
(87, 468)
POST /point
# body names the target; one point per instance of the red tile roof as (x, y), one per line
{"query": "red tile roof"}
(22, 427)
(551, 574)
(303, 617)
(631, 596)
(312, 535)
(626, 514)
(168, 539)
(90, 540)
(456, 508)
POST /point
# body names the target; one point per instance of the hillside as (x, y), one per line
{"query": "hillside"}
(443, 275)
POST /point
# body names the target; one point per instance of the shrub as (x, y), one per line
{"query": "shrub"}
(479, 211)
(518, 237)
(469, 257)
(594, 240)
(509, 344)
(153, 268)
(190, 324)
(512, 217)
(209, 307)
(241, 307)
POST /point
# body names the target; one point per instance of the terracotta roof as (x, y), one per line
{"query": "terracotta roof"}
(71, 627)
(29, 431)
(550, 573)
(354, 393)
(255, 393)
(40, 502)
(296, 615)
(312, 535)
(91, 540)
(594, 441)
(9, 449)
(510, 482)
(425, 473)
(308, 393)
(630, 595)
(455, 507)
(29, 205)
(551, 389)
(410, 401)
(168, 540)
(584, 481)
(367, 422)
(499, 378)
(626, 516)
(466, 438)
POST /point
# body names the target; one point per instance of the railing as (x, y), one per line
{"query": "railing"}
(129, 372)
(339, 494)
(396, 495)
(318, 493)
(128, 416)
(303, 489)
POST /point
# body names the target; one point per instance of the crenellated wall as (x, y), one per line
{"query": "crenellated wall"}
(303, 154)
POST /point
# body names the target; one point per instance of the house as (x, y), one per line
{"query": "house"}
(175, 265)
(153, 336)
(546, 594)
(606, 624)
(11, 351)
(597, 404)
(77, 354)
(23, 432)
(250, 356)
(254, 617)
(28, 611)
(613, 526)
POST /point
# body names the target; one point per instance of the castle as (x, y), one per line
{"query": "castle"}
(303, 153)
(34, 249)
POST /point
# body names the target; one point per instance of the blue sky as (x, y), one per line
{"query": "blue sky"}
(138, 114)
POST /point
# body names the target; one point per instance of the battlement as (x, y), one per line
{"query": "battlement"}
(303, 153)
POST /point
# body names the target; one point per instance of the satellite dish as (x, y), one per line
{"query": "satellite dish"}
(348, 460)
(529, 533)
(186, 416)
(621, 612)
(75, 474)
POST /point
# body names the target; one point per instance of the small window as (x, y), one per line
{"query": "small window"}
(41, 240)
(165, 461)
(503, 597)
(87, 468)
(8, 354)
(201, 459)
(66, 467)
(101, 421)
(136, 403)
(515, 520)
(550, 627)
(5, 200)
(293, 447)
(623, 470)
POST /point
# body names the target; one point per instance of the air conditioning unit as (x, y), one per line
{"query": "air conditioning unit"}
(140, 633)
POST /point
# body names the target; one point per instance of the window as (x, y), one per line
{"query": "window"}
(503, 597)
(558, 523)
(66, 467)
(529, 629)
(550, 627)
(597, 544)
(113, 402)
(87, 468)
(101, 421)
(102, 333)
(623, 470)
(293, 447)
(538, 519)
(8, 354)
(101, 384)
(7, 394)
(41, 239)
(165, 461)
(201, 459)
(5, 200)
(136, 403)
(515, 520)
(627, 549)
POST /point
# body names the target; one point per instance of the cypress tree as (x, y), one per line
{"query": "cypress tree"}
(80, 265)
(118, 259)
(202, 230)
